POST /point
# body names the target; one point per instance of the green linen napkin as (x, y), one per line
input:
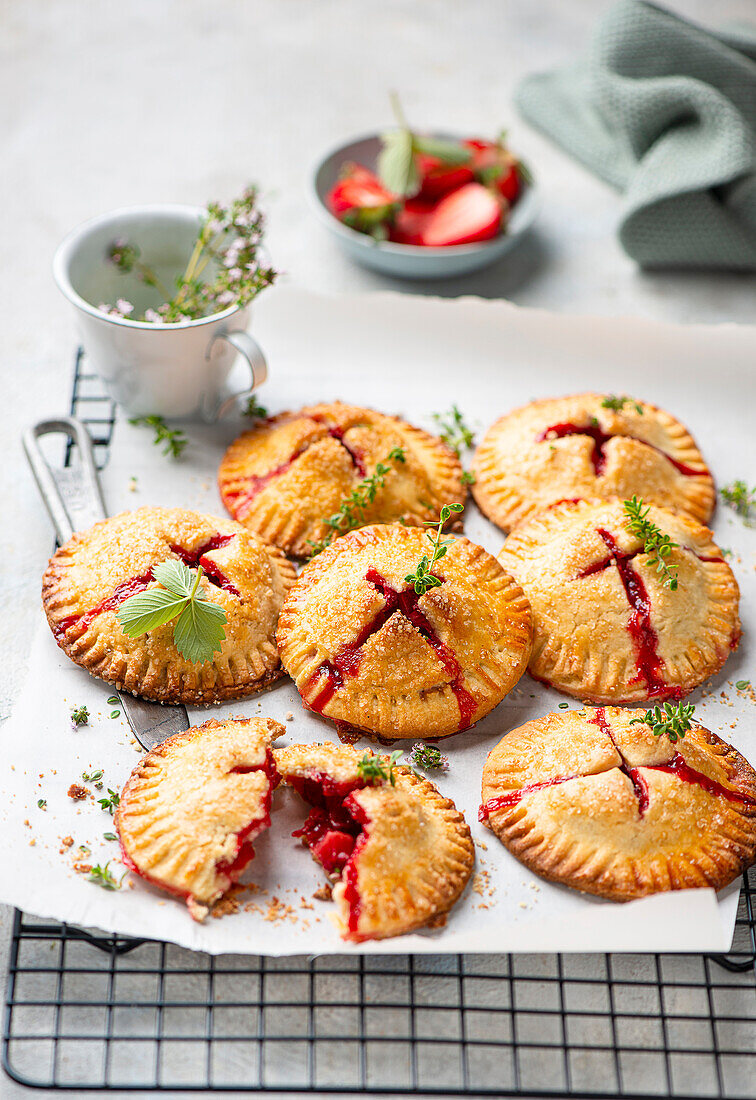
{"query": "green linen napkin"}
(666, 112)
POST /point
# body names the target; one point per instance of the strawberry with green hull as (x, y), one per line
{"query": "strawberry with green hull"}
(493, 165)
(360, 200)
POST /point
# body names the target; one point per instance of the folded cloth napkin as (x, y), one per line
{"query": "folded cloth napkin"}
(665, 111)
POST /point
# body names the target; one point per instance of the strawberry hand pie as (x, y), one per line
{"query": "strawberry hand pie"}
(597, 801)
(588, 445)
(192, 807)
(287, 476)
(366, 649)
(399, 853)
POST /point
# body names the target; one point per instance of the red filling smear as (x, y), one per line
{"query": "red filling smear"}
(126, 589)
(351, 873)
(511, 798)
(648, 662)
(640, 786)
(354, 454)
(328, 677)
(677, 766)
(601, 438)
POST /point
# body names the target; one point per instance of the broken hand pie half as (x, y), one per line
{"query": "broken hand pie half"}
(192, 807)
(596, 801)
(607, 627)
(399, 852)
(287, 475)
(588, 445)
(89, 578)
(366, 650)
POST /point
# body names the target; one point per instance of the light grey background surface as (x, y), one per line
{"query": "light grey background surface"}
(106, 104)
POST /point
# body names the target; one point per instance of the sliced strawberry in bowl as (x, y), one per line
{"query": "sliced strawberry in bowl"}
(438, 178)
(472, 213)
(493, 165)
(360, 200)
(410, 221)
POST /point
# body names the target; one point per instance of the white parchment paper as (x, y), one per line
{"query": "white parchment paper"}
(411, 356)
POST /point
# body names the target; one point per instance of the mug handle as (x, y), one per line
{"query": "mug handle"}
(247, 347)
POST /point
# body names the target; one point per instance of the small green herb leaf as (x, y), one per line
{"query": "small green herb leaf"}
(351, 513)
(174, 440)
(79, 716)
(110, 802)
(109, 836)
(617, 404)
(740, 497)
(741, 685)
(468, 477)
(454, 431)
(104, 877)
(423, 578)
(42, 803)
(254, 409)
(113, 701)
(373, 767)
(655, 543)
(428, 757)
(672, 720)
(92, 777)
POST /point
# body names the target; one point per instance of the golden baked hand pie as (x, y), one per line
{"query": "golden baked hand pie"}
(364, 649)
(192, 808)
(288, 474)
(598, 803)
(400, 854)
(568, 447)
(97, 570)
(607, 630)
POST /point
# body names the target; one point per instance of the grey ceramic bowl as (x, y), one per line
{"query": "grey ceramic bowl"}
(410, 261)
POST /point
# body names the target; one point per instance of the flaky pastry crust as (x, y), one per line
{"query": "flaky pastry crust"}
(365, 650)
(568, 447)
(193, 806)
(413, 856)
(599, 803)
(606, 628)
(289, 473)
(101, 567)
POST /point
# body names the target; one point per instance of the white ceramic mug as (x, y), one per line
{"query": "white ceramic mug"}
(178, 370)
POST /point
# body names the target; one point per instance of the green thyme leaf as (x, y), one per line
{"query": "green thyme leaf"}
(174, 440)
(673, 721)
(79, 716)
(42, 803)
(109, 836)
(113, 701)
(741, 685)
(373, 767)
(351, 513)
(617, 404)
(92, 777)
(104, 877)
(110, 802)
(454, 431)
(740, 497)
(468, 477)
(655, 543)
(423, 578)
(254, 409)
(428, 757)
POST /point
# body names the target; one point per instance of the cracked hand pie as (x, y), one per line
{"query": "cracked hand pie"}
(598, 802)
(588, 445)
(400, 853)
(366, 650)
(89, 578)
(291, 472)
(607, 628)
(192, 807)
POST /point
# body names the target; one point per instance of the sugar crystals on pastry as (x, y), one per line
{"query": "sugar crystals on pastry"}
(192, 808)
(400, 853)
(588, 445)
(610, 627)
(365, 649)
(288, 474)
(95, 572)
(597, 801)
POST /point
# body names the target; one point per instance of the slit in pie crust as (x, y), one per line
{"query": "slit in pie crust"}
(366, 651)
(400, 856)
(592, 801)
(292, 471)
(568, 447)
(94, 572)
(192, 808)
(606, 629)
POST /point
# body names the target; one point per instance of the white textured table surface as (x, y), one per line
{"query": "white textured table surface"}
(106, 104)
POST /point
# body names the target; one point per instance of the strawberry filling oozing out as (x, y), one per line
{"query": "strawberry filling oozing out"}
(126, 589)
(601, 438)
(244, 854)
(677, 766)
(334, 832)
(328, 677)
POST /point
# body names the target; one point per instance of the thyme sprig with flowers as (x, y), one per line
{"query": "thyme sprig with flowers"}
(423, 579)
(428, 757)
(175, 441)
(229, 238)
(740, 497)
(674, 721)
(79, 716)
(351, 513)
(655, 542)
(372, 767)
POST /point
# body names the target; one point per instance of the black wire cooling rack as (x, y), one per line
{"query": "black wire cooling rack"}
(91, 1011)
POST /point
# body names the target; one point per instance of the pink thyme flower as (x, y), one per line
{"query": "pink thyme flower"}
(123, 306)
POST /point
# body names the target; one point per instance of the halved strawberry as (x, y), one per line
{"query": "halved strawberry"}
(410, 221)
(360, 200)
(472, 213)
(438, 178)
(495, 166)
